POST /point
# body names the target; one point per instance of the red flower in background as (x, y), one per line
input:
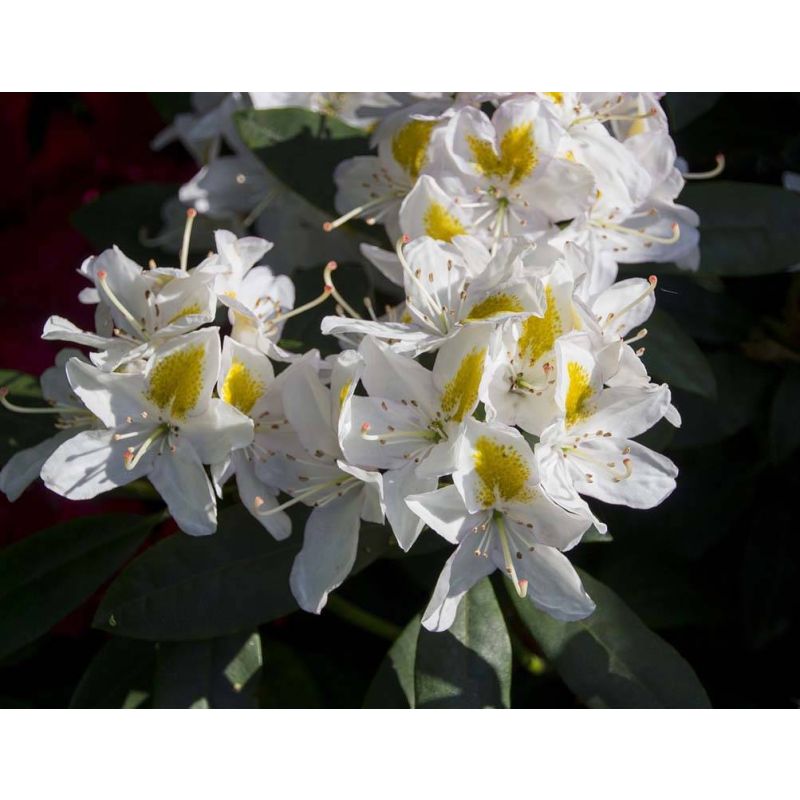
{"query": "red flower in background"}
(60, 151)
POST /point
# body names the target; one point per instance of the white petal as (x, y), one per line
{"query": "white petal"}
(60, 329)
(398, 485)
(23, 468)
(253, 370)
(113, 397)
(627, 411)
(91, 463)
(553, 584)
(391, 376)
(652, 477)
(181, 374)
(257, 499)
(307, 405)
(218, 431)
(329, 549)
(461, 572)
(386, 262)
(444, 511)
(182, 482)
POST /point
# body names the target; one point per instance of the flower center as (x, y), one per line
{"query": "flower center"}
(502, 471)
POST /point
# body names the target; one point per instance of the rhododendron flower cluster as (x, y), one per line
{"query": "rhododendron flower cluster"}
(500, 395)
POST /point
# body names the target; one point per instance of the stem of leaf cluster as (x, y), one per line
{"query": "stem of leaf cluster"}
(351, 613)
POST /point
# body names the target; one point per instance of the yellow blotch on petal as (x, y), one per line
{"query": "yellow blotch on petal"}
(556, 97)
(177, 380)
(343, 392)
(410, 145)
(460, 394)
(500, 303)
(540, 333)
(186, 312)
(241, 388)
(440, 224)
(517, 158)
(502, 471)
(579, 393)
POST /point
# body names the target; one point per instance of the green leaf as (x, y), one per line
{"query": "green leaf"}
(218, 673)
(671, 355)
(745, 228)
(287, 681)
(169, 104)
(784, 430)
(119, 676)
(125, 217)
(741, 384)
(393, 684)
(260, 128)
(685, 107)
(47, 575)
(469, 665)
(188, 588)
(19, 431)
(611, 659)
(301, 148)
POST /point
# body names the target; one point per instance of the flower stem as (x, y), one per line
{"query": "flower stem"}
(351, 613)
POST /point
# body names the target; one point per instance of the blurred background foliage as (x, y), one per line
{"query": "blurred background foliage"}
(713, 571)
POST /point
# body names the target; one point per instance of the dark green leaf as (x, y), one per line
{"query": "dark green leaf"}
(686, 107)
(784, 430)
(19, 431)
(286, 680)
(217, 673)
(188, 588)
(125, 217)
(741, 384)
(672, 356)
(45, 576)
(610, 659)
(393, 684)
(469, 665)
(745, 228)
(169, 104)
(301, 148)
(119, 676)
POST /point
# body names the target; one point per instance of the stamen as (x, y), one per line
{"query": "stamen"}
(433, 305)
(301, 496)
(370, 309)
(642, 333)
(329, 268)
(396, 435)
(191, 213)
(650, 237)
(712, 173)
(102, 276)
(273, 322)
(501, 532)
(133, 457)
(6, 403)
(357, 211)
(608, 466)
(653, 281)
(611, 117)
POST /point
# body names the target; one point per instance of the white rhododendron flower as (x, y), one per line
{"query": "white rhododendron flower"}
(163, 424)
(496, 395)
(497, 514)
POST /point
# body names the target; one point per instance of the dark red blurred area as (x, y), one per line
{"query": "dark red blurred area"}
(58, 151)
